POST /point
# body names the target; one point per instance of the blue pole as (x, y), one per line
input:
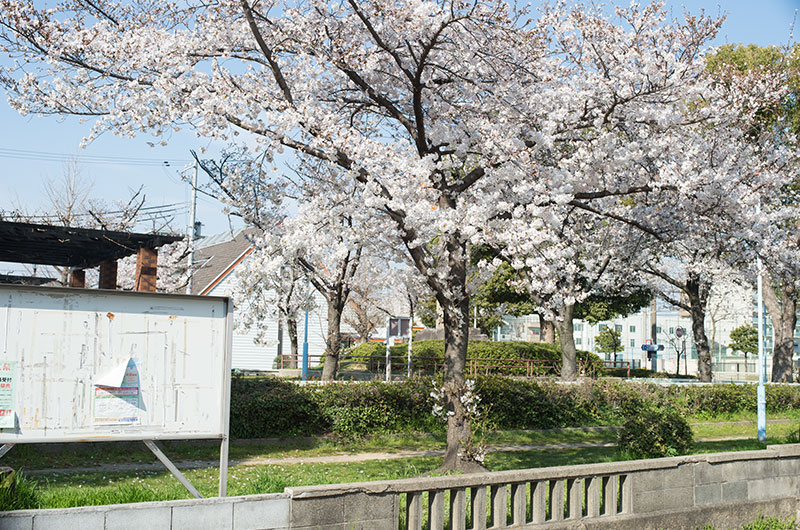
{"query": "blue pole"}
(761, 396)
(305, 342)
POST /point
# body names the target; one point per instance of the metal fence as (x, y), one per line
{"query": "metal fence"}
(530, 368)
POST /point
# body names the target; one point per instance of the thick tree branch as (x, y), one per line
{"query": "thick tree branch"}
(268, 53)
(631, 222)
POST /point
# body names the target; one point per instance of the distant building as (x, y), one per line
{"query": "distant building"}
(729, 307)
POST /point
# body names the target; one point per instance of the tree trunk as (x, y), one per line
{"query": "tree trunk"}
(783, 314)
(566, 338)
(548, 330)
(333, 341)
(291, 323)
(697, 293)
(455, 316)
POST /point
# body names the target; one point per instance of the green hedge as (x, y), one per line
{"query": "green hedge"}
(428, 355)
(272, 407)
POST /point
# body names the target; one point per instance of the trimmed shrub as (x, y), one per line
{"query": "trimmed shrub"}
(372, 356)
(643, 373)
(358, 409)
(655, 432)
(428, 355)
(271, 407)
(264, 407)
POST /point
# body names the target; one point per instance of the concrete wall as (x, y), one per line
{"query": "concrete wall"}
(723, 489)
(263, 512)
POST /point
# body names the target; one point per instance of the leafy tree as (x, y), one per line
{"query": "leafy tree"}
(744, 339)
(781, 119)
(608, 341)
(426, 311)
(600, 306)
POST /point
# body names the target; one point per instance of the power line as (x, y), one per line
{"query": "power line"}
(145, 214)
(43, 156)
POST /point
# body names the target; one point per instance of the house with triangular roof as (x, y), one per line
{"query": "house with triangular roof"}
(216, 260)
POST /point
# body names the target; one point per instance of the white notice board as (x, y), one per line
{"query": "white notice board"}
(89, 365)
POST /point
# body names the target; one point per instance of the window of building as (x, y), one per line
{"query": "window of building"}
(603, 327)
(618, 328)
(633, 343)
(658, 329)
(578, 326)
(671, 331)
(632, 329)
(578, 341)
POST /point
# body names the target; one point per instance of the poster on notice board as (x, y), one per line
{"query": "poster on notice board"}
(117, 398)
(8, 385)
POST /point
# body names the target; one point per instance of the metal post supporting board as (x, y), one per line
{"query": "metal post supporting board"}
(174, 470)
(5, 448)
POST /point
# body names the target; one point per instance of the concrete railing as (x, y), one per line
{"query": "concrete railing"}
(723, 489)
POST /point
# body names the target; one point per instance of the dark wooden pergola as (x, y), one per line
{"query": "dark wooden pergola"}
(83, 248)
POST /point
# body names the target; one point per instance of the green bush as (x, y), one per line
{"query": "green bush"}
(654, 432)
(358, 409)
(17, 492)
(489, 357)
(372, 356)
(271, 407)
(642, 373)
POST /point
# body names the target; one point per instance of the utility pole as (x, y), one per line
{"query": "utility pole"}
(190, 232)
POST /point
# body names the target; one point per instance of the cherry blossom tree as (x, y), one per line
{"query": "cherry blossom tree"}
(778, 118)
(271, 287)
(172, 274)
(370, 298)
(323, 239)
(587, 256)
(454, 122)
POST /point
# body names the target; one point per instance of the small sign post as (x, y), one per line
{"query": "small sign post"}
(681, 333)
(396, 327)
(651, 350)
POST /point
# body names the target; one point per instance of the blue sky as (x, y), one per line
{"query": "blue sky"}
(24, 141)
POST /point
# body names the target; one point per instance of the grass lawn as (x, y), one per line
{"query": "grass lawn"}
(61, 490)
(65, 489)
(83, 455)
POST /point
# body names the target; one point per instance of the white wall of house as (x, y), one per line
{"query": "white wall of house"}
(264, 356)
